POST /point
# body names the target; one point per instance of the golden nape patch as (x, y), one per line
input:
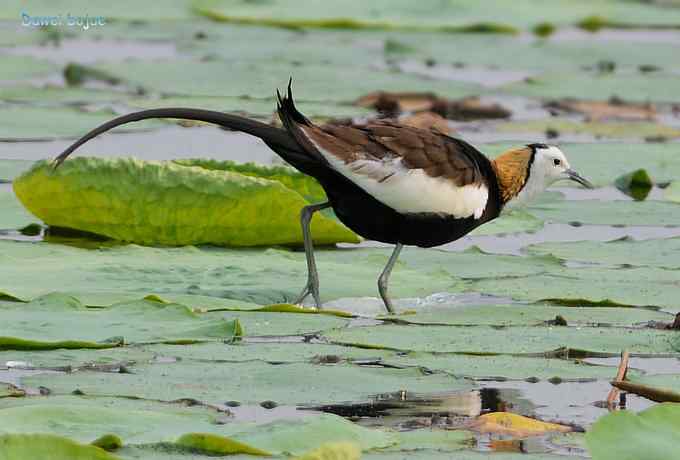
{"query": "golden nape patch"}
(511, 170)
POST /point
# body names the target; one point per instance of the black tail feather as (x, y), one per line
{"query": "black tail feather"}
(273, 136)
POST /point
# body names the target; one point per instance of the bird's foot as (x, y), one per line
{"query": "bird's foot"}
(312, 289)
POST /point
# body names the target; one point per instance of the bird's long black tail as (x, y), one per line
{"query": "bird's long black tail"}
(280, 140)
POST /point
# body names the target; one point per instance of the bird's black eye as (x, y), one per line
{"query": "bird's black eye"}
(557, 162)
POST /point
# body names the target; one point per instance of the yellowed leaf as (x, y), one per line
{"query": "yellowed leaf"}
(333, 451)
(515, 425)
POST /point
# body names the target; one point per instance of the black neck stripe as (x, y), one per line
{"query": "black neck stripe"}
(534, 148)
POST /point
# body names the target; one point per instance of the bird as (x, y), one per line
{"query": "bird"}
(387, 182)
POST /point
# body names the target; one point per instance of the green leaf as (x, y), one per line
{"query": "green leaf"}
(47, 322)
(151, 202)
(514, 340)
(506, 367)
(498, 314)
(17, 68)
(24, 122)
(249, 382)
(109, 442)
(616, 130)
(672, 192)
(149, 422)
(123, 10)
(402, 14)
(596, 212)
(105, 275)
(12, 213)
(218, 445)
(623, 435)
(178, 77)
(627, 251)
(9, 169)
(597, 286)
(657, 87)
(19, 446)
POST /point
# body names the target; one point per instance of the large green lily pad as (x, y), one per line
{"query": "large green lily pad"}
(12, 214)
(273, 352)
(511, 340)
(641, 286)
(599, 129)
(653, 253)
(505, 367)
(623, 213)
(146, 422)
(171, 204)
(49, 446)
(497, 314)
(47, 322)
(659, 87)
(9, 169)
(262, 276)
(125, 10)
(249, 382)
(17, 68)
(54, 95)
(23, 123)
(179, 77)
(403, 14)
(623, 435)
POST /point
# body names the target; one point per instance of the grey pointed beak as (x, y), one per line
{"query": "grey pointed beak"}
(576, 177)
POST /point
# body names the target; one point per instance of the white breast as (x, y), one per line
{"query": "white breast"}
(412, 190)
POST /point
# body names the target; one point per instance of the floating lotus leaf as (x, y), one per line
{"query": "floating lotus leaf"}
(624, 435)
(47, 323)
(169, 204)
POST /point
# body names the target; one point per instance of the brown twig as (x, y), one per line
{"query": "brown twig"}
(651, 393)
(620, 377)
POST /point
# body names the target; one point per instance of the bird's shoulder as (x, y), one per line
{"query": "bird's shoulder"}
(436, 154)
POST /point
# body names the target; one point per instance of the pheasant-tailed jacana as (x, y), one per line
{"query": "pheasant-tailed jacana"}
(388, 182)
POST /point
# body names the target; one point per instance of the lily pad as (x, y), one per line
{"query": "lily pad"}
(514, 340)
(251, 275)
(404, 15)
(125, 9)
(617, 130)
(53, 95)
(249, 382)
(649, 253)
(672, 192)
(9, 169)
(23, 123)
(504, 367)
(47, 322)
(596, 212)
(658, 87)
(49, 446)
(498, 314)
(178, 77)
(642, 287)
(12, 214)
(166, 203)
(624, 435)
(18, 68)
(272, 352)
(146, 422)
(512, 221)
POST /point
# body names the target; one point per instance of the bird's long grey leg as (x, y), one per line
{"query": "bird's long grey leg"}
(312, 286)
(385, 277)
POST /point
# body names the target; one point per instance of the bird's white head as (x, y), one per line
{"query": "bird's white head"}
(524, 173)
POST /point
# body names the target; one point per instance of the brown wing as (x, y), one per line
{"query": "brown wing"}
(438, 155)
